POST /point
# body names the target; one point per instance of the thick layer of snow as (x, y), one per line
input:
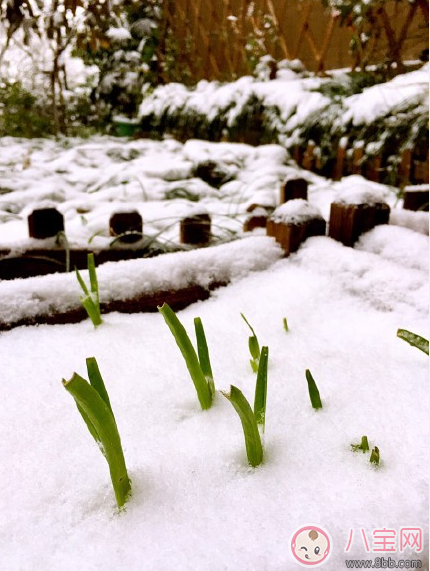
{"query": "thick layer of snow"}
(196, 504)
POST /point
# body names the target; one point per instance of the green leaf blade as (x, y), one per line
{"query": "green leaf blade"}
(100, 417)
(254, 449)
(314, 394)
(203, 354)
(261, 389)
(414, 340)
(189, 354)
(96, 380)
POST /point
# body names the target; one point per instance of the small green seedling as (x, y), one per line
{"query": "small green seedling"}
(362, 447)
(253, 421)
(90, 300)
(94, 406)
(254, 346)
(314, 394)
(374, 456)
(285, 322)
(414, 340)
(199, 366)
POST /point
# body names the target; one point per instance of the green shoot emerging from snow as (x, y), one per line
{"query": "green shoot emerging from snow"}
(314, 394)
(252, 421)
(254, 346)
(285, 322)
(362, 447)
(90, 300)
(199, 367)
(93, 403)
(261, 390)
(414, 340)
(374, 456)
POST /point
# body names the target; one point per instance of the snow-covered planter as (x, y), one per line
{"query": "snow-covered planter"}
(355, 212)
(293, 222)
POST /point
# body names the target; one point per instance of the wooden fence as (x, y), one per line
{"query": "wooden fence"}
(412, 167)
(222, 39)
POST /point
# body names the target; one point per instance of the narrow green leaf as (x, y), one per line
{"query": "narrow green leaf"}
(254, 348)
(254, 449)
(285, 322)
(203, 353)
(92, 273)
(189, 354)
(313, 391)
(261, 389)
(82, 283)
(100, 417)
(89, 424)
(414, 340)
(253, 345)
(90, 301)
(96, 380)
(363, 446)
(374, 456)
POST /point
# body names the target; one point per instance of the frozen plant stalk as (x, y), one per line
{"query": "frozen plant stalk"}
(94, 406)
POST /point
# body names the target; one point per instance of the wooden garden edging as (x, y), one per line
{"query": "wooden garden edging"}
(413, 167)
(177, 299)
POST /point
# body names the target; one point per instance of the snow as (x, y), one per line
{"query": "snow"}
(196, 504)
(295, 211)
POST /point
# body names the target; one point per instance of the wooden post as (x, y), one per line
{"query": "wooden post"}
(308, 157)
(340, 161)
(290, 235)
(127, 226)
(294, 188)
(45, 223)
(416, 197)
(349, 221)
(373, 171)
(357, 159)
(195, 229)
(404, 171)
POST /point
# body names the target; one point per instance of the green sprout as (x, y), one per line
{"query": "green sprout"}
(253, 421)
(363, 446)
(414, 340)
(374, 456)
(254, 347)
(314, 394)
(199, 366)
(285, 322)
(93, 403)
(90, 300)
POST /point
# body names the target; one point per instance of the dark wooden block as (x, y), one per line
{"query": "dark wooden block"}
(349, 221)
(416, 198)
(290, 235)
(127, 225)
(294, 188)
(196, 229)
(255, 222)
(45, 223)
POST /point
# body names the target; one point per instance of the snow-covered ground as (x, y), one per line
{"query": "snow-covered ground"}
(195, 503)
